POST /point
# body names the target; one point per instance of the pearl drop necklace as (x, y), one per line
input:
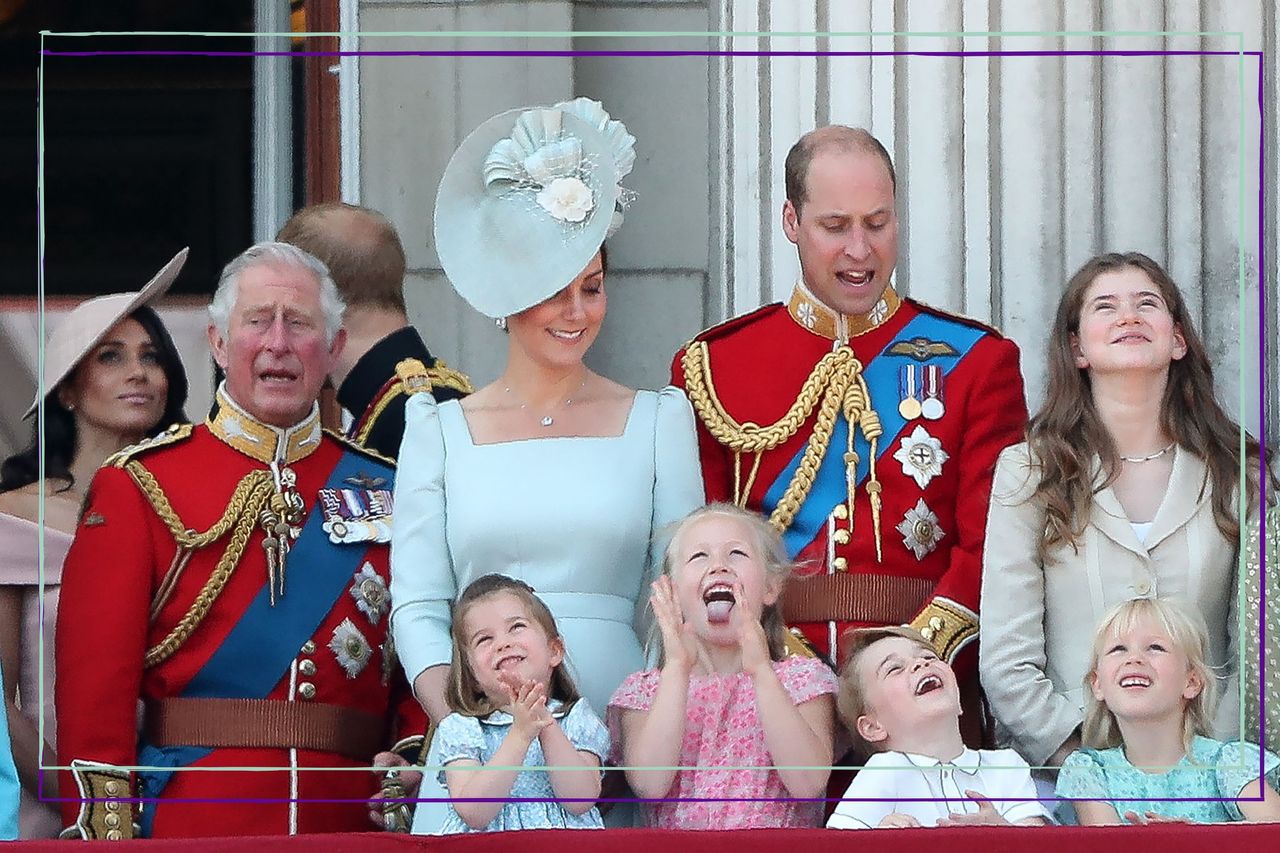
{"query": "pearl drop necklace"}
(1139, 459)
(547, 420)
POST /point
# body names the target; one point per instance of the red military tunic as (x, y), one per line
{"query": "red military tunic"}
(128, 591)
(932, 474)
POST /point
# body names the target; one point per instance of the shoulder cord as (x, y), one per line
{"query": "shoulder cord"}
(835, 384)
(251, 495)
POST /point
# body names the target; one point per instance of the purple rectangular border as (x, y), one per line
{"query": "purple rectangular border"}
(1262, 304)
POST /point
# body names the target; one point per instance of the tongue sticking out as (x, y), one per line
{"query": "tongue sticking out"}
(719, 604)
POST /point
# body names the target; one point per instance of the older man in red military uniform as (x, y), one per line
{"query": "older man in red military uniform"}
(231, 578)
(864, 424)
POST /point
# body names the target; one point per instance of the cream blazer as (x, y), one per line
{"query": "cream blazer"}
(1038, 621)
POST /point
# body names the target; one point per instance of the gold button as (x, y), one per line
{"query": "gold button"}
(307, 667)
(112, 820)
(309, 648)
(841, 536)
(307, 690)
(841, 511)
(113, 805)
(927, 633)
(114, 835)
(839, 564)
(112, 787)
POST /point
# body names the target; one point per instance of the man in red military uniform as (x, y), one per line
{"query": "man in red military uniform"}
(230, 579)
(865, 425)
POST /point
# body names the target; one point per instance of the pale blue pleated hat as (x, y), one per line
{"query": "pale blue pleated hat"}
(527, 200)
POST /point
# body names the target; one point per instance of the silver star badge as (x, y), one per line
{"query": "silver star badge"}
(920, 530)
(370, 592)
(350, 648)
(921, 456)
(879, 312)
(805, 312)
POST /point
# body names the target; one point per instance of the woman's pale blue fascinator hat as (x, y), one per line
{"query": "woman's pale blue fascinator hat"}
(527, 200)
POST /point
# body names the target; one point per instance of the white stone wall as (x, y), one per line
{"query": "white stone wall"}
(1013, 170)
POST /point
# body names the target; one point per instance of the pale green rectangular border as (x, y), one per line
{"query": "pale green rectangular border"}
(1243, 104)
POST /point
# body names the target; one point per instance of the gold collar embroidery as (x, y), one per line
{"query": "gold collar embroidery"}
(266, 443)
(809, 312)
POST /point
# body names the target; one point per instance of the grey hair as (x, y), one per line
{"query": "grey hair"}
(276, 254)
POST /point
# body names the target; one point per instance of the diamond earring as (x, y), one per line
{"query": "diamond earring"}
(501, 323)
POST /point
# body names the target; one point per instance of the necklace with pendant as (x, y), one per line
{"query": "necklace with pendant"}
(1156, 455)
(547, 420)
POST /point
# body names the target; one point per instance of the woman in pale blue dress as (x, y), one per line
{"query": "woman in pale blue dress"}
(552, 474)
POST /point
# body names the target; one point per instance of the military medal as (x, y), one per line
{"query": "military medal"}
(370, 592)
(910, 407)
(920, 530)
(921, 456)
(358, 514)
(932, 408)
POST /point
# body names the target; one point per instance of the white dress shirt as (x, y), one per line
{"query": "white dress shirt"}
(927, 789)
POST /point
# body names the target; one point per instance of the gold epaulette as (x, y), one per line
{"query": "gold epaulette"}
(417, 378)
(174, 434)
(445, 376)
(947, 625)
(359, 448)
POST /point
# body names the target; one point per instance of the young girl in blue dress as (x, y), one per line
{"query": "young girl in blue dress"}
(514, 704)
(1146, 757)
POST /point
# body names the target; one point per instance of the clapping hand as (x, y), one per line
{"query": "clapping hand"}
(679, 643)
(528, 705)
(751, 638)
(986, 815)
(898, 820)
(1151, 817)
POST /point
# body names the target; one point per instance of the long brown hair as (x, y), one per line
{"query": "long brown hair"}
(464, 694)
(1066, 433)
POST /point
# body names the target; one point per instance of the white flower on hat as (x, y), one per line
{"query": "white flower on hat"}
(567, 199)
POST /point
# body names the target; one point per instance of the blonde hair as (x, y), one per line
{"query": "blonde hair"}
(464, 694)
(777, 566)
(1186, 629)
(851, 698)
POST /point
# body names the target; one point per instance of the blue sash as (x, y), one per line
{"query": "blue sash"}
(263, 644)
(830, 486)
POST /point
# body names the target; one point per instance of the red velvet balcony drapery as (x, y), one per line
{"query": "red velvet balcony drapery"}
(1169, 838)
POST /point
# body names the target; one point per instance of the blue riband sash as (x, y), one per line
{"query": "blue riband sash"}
(830, 487)
(263, 644)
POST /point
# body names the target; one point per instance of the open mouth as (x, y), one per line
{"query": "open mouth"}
(856, 278)
(1133, 338)
(1135, 681)
(277, 377)
(508, 661)
(569, 337)
(719, 600)
(928, 684)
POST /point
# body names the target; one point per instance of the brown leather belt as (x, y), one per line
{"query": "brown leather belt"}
(265, 724)
(842, 597)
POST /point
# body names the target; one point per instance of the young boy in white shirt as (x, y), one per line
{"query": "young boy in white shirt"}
(901, 703)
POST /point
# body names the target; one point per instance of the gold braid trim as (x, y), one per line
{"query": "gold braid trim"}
(240, 517)
(835, 385)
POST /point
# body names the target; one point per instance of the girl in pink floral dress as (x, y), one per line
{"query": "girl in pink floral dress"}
(750, 726)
